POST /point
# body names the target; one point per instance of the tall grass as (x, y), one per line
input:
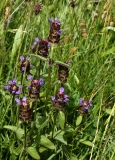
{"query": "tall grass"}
(87, 40)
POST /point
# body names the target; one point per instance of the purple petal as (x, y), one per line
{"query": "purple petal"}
(50, 21)
(30, 77)
(86, 108)
(6, 87)
(13, 92)
(59, 100)
(56, 19)
(18, 92)
(17, 101)
(32, 47)
(23, 68)
(81, 101)
(14, 80)
(41, 81)
(20, 87)
(59, 32)
(61, 90)
(35, 43)
(49, 45)
(37, 40)
(28, 58)
(24, 98)
(29, 87)
(52, 98)
(65, 96)
(21, 58)
(66, 100)
(10, 82)
(31, 65)
(69, 62)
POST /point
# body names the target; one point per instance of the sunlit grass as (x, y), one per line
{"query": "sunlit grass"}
(87, 40)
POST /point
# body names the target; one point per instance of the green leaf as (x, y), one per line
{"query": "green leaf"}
(61, 63)
(109, 111)
(88, 143)
(73, 157)
(61, 119)
(44, 141)
(33, 152)
(78, 120)
(38, 56)
(19, 132)
(42, 149)
(110, 28)
(17, 42)
(59, 136)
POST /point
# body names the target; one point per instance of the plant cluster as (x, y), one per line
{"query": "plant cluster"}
(59, 100)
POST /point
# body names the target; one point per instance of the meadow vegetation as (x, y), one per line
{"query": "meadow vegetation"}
(57, 80)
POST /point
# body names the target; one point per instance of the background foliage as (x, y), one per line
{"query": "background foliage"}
(87, 38)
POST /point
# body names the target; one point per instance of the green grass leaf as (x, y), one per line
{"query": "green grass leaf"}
(19, 132)
(44, 141)
(33, 152)
(78, 120)
(17, 42)
(61, 119)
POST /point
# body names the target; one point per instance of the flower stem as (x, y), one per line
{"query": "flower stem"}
(25, 135)
(39, 67)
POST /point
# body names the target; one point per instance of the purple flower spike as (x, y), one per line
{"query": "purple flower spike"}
(21, 58)
(60, 99)
(17, 101)
(54, 35)
(25, 112)
(13, 88)
(25, 65)
(84, 105)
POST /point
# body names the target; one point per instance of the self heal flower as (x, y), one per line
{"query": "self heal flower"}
(63, 73)
(60, 99)
(54, 35)
(84, 105)
(25, 112)
(43, 47)
(34, 88)
(25, 65)
(38, 8)
(12, 87)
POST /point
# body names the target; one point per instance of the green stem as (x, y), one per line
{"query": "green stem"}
(39, 67)
(54, 124)
(25, 136)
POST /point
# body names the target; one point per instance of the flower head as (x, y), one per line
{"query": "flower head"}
(63, 73)
(54, 35)
(25, 65)
(60, 99)
(43, 47)
(38, 8)
(25, 112)
(34, 88)
(84, 105)
(12, 87)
